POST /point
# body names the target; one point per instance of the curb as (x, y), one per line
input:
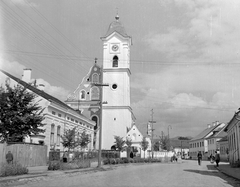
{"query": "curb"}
(227, 174)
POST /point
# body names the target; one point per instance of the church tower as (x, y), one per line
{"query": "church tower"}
(117, 116)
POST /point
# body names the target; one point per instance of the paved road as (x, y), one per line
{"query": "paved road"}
(186, 174)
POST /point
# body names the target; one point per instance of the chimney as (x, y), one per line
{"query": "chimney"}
(217, 122)
(209, 125)
(41, 87)
(213, 124)
(26, 77)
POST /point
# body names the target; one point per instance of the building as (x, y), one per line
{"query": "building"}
(136, 137)
(58, 116)
(202, 143)
(110, 85)
(212, 140)
(233, 136)
(223, 148)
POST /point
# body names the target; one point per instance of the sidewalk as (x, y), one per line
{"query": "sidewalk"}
(42, 171)
(228, 170)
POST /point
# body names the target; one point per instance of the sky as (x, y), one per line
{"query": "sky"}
(184, 58)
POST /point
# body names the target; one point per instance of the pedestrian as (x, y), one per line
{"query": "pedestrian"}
(9, 157)
(217, 157)
(131, 154)
(211, 158)
(65, 155)
(199, 157)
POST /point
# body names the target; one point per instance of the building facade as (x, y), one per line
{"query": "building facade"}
(201, 141)
(58, 116)
(233, 136)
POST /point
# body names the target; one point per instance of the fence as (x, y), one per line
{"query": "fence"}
(25, 154)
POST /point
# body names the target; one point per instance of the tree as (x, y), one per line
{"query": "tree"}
(71, 141)
(129, 145)
(156, 146)
(164, 143)
(144, 145)
(20, 114)
(119, 143)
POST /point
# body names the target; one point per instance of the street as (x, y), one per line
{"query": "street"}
(187, 174)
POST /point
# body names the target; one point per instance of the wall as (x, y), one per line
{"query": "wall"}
(25, 154)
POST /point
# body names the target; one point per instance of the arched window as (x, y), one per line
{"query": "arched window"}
(52, 134)
(83, 95)
(95, 93)
(95, 78)
(58, 135)
(115, 61)
(95, 118)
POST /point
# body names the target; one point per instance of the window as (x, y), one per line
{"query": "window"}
(115, 61)
(59, 115)
(53, 112)
(95, 94)
(95, 78)
(58, 135)
(52, 134)
(83, 95)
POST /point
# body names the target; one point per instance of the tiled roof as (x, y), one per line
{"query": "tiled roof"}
(42, 93)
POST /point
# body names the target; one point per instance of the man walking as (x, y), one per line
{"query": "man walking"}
(199, 157)
(217, 158)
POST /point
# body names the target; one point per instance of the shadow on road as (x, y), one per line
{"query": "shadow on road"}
(212, 171)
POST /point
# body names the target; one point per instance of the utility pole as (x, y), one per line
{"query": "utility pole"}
(101, 102)
(152, 131)
(169, 137)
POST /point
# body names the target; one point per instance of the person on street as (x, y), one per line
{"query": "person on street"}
(65, 156)
(199, 156)
(217, 158)
(9, 157)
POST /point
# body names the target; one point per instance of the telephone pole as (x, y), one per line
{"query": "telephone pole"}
(152, 131)
(101, 102)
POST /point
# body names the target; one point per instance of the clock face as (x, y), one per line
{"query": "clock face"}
(115, 47)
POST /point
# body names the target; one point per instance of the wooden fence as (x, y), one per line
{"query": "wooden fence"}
(25, 154)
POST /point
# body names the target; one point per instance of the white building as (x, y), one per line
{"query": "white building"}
(58, 116)
(117, 115)
(136, 137)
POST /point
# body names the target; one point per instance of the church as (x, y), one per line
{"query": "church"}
(104, 93)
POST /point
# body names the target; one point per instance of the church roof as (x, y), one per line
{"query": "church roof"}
(116, 26)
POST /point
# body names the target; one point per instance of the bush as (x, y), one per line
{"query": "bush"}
(54, 165)
(125, 160)
(75, 164)
(112, 161)
(106, 161)
(12, 169)
(54, 155)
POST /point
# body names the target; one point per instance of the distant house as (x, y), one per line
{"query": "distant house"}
(213, 140)
(58, 116)
(180, 146)
(136, 137)
(202, 142)
(233, 136)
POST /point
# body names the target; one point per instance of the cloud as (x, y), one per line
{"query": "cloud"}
(210, 34)
(16, 69)
(56, 91)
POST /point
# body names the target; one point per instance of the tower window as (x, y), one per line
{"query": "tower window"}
(115, 61)
(94, 93)
(82, 95)
(95, 78)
